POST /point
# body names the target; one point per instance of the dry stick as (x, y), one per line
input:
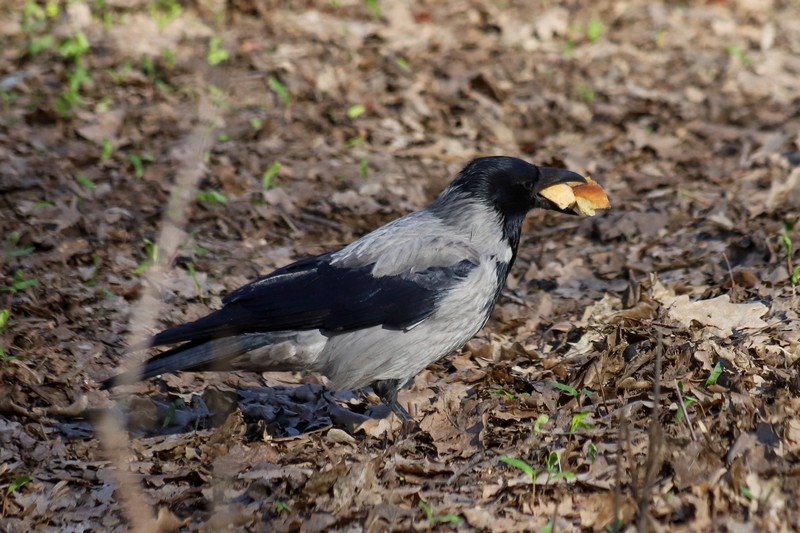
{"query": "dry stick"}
(602, 386)
(114, 437)
(623, 432)
(475, 461)
(685, 412)
(655, 438)
(730, 271)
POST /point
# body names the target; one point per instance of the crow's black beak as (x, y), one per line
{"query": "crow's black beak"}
(549, 176)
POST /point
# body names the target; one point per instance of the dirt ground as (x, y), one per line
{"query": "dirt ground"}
(640, 370)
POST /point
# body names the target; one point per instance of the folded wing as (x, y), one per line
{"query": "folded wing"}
(314, 294)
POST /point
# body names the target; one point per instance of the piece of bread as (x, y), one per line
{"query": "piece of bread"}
(587, 197)
(560, 194)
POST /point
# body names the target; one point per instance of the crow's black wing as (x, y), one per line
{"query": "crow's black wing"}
(313, 294)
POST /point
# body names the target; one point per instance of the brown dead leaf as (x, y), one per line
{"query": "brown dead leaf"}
(103, 127)
(380, 427)
(718, 314)
(483, 519)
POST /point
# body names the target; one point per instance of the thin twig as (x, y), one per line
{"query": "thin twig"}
(654, 445)
(622, 436)
(730, 271)
(685, 412)
(479, 460)
(602, 385)
(113, 436)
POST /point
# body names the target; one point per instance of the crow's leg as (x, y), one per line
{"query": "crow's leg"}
(386, 389)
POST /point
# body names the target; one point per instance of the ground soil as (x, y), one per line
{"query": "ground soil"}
(640, 369)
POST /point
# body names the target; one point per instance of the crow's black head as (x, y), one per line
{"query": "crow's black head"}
(511, 185)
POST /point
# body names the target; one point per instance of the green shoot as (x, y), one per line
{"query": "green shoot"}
(569, 47)
(519, 464)
(553, 466)
(282, 506)
(661, 37)
(119, 75)
(591, 452)
(279, 89)
(137, 162)
(403, 63)
(552, 462)
(151, 253)
(547, 528)
(585, 93)
(540, 421)
(218, 96)
(74, 47)
(788, 247)
(426, 508)
(355, 141)
(173, 408)
(86, 182)
(33, 17)
(4, 316)
(148, 67)
(736, 52)
(579, 423)
(224, 137)
(256, 123)
(72, 97)
(20, 282)
(96, 262)
(18, 483)
(107, 150)
(566, 388)
(197, 287)
(169, 57)
(268, 179)
(355, 111)
(507, 394)
(216, 54)
(39, 44)
(212, 196)
(687, 401)
(571, 391)
(11, 246)
(786, 238)
(595, 29)
(165, 11)
(715, 374)
(5, 358)
(373, 6)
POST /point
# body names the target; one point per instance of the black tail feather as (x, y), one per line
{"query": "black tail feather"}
(192, 356)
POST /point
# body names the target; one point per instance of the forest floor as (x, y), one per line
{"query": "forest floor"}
(639, 371)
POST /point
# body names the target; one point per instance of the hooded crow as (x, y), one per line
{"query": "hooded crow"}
(378, 311)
